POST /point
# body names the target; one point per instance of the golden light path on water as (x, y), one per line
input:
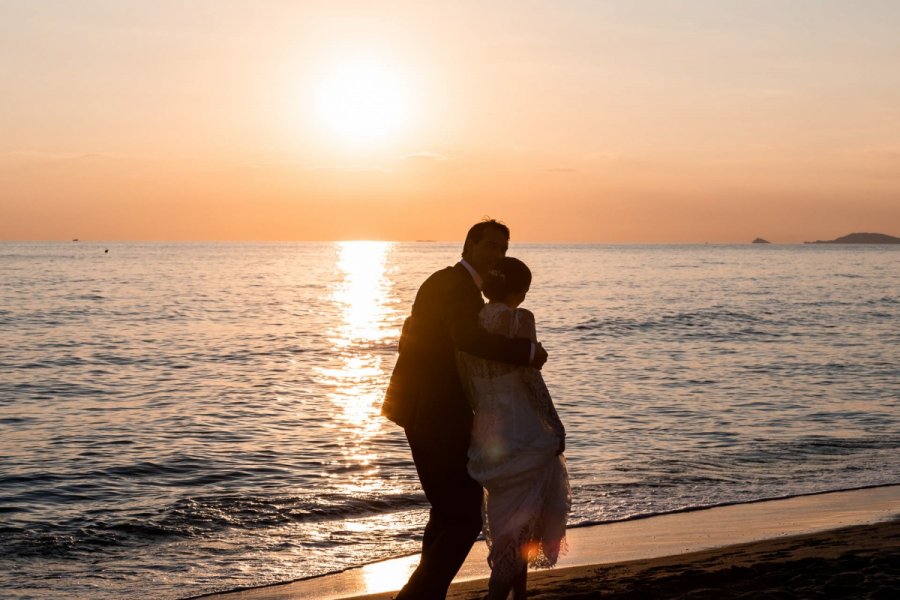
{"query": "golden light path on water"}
(357, 382)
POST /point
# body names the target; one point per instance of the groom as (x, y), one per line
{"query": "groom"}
(425, 397)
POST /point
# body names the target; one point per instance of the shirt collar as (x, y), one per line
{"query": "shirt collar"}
(475, 276)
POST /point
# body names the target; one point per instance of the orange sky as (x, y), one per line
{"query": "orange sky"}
(703, 121)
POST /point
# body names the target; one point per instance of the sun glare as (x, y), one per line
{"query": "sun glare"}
(363, 101)
(364, 292)
(357, 379)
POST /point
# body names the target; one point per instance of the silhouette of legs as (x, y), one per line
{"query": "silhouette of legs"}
(509, 570)
(454, 520)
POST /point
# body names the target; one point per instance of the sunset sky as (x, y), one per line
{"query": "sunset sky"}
(596, 121)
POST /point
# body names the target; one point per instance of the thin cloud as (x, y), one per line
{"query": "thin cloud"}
(44, 156)
(346, 169)
(600, 156)
(38, 155)
(425, 156)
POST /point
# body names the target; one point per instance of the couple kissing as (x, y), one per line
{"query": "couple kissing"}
(484, 434)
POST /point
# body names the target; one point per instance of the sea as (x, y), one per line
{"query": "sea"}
(183, 418)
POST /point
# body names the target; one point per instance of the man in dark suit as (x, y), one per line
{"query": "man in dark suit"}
(425, 397)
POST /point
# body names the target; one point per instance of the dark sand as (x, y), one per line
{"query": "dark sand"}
(834, 545)
(854, 562)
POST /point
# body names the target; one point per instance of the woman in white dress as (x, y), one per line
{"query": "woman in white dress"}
(517, 444)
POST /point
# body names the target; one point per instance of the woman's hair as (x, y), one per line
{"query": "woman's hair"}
(509, 276)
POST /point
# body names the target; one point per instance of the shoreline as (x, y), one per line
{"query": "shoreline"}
(677, 534)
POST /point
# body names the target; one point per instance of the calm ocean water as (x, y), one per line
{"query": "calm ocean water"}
(177, 419)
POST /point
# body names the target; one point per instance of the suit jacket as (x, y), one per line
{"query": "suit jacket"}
(425, 393)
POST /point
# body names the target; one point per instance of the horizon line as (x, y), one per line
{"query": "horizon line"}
(420, 241)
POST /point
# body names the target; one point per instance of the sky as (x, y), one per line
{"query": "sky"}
(659, 121)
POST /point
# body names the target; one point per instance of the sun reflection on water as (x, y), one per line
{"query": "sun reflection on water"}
(363, 293)
(357, 379)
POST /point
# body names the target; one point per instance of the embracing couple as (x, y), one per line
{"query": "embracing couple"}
(484, 434)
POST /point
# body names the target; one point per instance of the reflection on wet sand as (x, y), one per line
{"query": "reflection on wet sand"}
(388, 575)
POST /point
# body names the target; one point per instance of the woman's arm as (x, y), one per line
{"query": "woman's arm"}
(526, 326)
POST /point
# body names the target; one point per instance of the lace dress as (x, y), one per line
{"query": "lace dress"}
(513, 453)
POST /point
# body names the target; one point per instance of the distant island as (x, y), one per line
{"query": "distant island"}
(861, 238)
(761, 241)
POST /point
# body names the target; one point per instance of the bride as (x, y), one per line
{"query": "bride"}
(517, 444)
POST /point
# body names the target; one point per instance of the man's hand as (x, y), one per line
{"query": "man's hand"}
(540, 357)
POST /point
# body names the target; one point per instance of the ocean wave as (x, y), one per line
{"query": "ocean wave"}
(266, 511)
(190, 518)
(715, 504)
(704, 323)
(713, 325)
(23, 542)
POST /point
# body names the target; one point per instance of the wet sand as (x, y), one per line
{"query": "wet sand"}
(843, 544)
(855, 562)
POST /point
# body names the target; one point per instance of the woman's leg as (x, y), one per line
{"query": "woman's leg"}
(509, 572)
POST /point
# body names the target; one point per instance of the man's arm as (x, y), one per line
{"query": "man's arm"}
(469, 336)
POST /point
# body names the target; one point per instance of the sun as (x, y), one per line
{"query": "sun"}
(363, 100)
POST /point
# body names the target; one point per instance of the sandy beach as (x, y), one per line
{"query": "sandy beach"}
(854, 562)
(836, 545)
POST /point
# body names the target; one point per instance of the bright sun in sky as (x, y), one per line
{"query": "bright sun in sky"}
(363, 101)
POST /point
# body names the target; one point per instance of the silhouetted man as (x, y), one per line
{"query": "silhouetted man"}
(425, 397)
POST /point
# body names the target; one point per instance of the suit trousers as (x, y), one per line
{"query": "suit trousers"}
(455, 518)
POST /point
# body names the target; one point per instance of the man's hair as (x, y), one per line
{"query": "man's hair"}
(509, 276)
(476, 232)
